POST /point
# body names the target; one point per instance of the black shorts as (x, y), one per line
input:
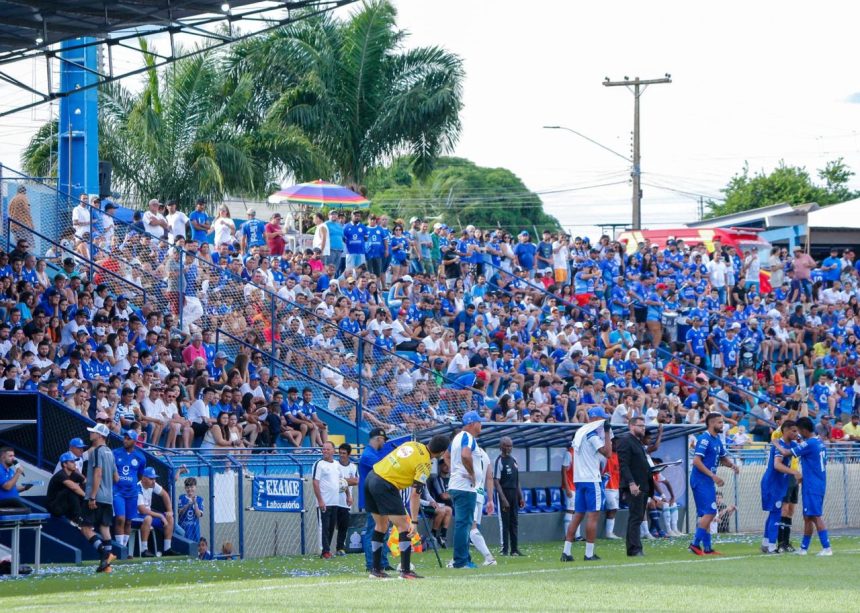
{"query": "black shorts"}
(381, 497)
(199, 429)
(102, 515)
(791, 496)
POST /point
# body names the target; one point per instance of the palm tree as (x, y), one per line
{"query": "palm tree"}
(351, 87)
(181, 137)
(39, 158)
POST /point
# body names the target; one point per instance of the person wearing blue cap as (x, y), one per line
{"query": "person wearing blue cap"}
(462, 486)
(65, 496)
(588, 446)
(76, 448)
(152, 519)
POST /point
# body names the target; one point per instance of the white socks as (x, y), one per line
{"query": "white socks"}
(167, 544)
(610, 526)
(589, 550)
(480, 544)
(567, 546)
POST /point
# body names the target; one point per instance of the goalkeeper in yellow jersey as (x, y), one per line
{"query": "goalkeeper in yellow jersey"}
(407, 466)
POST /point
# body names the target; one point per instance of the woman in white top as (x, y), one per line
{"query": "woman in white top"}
(42, 273)
(321, 235)
(224, 228)
(218, 436)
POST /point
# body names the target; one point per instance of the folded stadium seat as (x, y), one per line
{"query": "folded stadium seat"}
(556, 502)
(541, 500)
(528, 499)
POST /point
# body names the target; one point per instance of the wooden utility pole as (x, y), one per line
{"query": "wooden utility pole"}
(637, 86)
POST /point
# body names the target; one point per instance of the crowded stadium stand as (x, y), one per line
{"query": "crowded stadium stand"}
(224, 350)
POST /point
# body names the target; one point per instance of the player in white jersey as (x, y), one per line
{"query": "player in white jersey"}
(484, 490)
(589, 445)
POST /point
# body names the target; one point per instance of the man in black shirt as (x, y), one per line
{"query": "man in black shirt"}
(506, 474)
(66, 490)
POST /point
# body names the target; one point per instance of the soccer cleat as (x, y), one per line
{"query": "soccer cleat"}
(712, 552)
(326, 555)
(170, 552)
(503, 553)
(379, 574)
(410, 574)
(800, 552)
(764, 549)
(696, 549)
(340, 553)
(443, 543)
(825, 552)
(594, 558)
(389, 568)
(578, 539)
(566, 558)
(147, 554)
(109, 559)
(613, 537)
(450, 564)
(490, 562)
(518, 553)
(787, 549)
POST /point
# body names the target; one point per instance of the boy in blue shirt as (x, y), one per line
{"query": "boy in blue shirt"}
(190, 510)
(710, 452)
(813, 463)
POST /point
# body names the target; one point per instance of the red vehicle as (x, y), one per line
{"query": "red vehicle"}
(742, 239)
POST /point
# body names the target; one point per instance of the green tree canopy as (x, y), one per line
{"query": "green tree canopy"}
(785, 184)
(355, 91)
(459, 193)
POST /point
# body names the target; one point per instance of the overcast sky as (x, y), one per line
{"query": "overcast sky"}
(757, 81)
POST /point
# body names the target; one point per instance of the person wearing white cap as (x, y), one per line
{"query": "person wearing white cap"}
(252, 233)
(98, 514)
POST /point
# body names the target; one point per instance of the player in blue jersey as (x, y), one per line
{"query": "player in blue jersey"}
(710, 452)
(130, 462)
(813, 462)
(775, 483)
(190, 510)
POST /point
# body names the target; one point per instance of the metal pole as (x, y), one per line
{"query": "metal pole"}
(211, 508)
(737, 499)
(39, 431)
(302, 514)
(360, 401)
(272, 325)
(180, 285)
(845, 488)
(636, 170)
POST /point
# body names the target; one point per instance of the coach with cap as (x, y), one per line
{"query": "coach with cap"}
(636, 483)
(462, 484)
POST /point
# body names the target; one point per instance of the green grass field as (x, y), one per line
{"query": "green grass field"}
(667, 579)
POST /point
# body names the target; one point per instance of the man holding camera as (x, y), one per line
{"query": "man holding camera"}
(588, 445)
(10, 473)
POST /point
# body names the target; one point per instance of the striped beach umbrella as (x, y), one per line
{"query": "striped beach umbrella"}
(322, 194)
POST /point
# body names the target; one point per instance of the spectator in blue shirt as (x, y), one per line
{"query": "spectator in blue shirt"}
(253, 232)
(526, 254)
(832, 267)
(355, 240)
(201, 223)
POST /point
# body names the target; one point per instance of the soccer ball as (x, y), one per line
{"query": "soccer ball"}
(400, 569)
(343, 485)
